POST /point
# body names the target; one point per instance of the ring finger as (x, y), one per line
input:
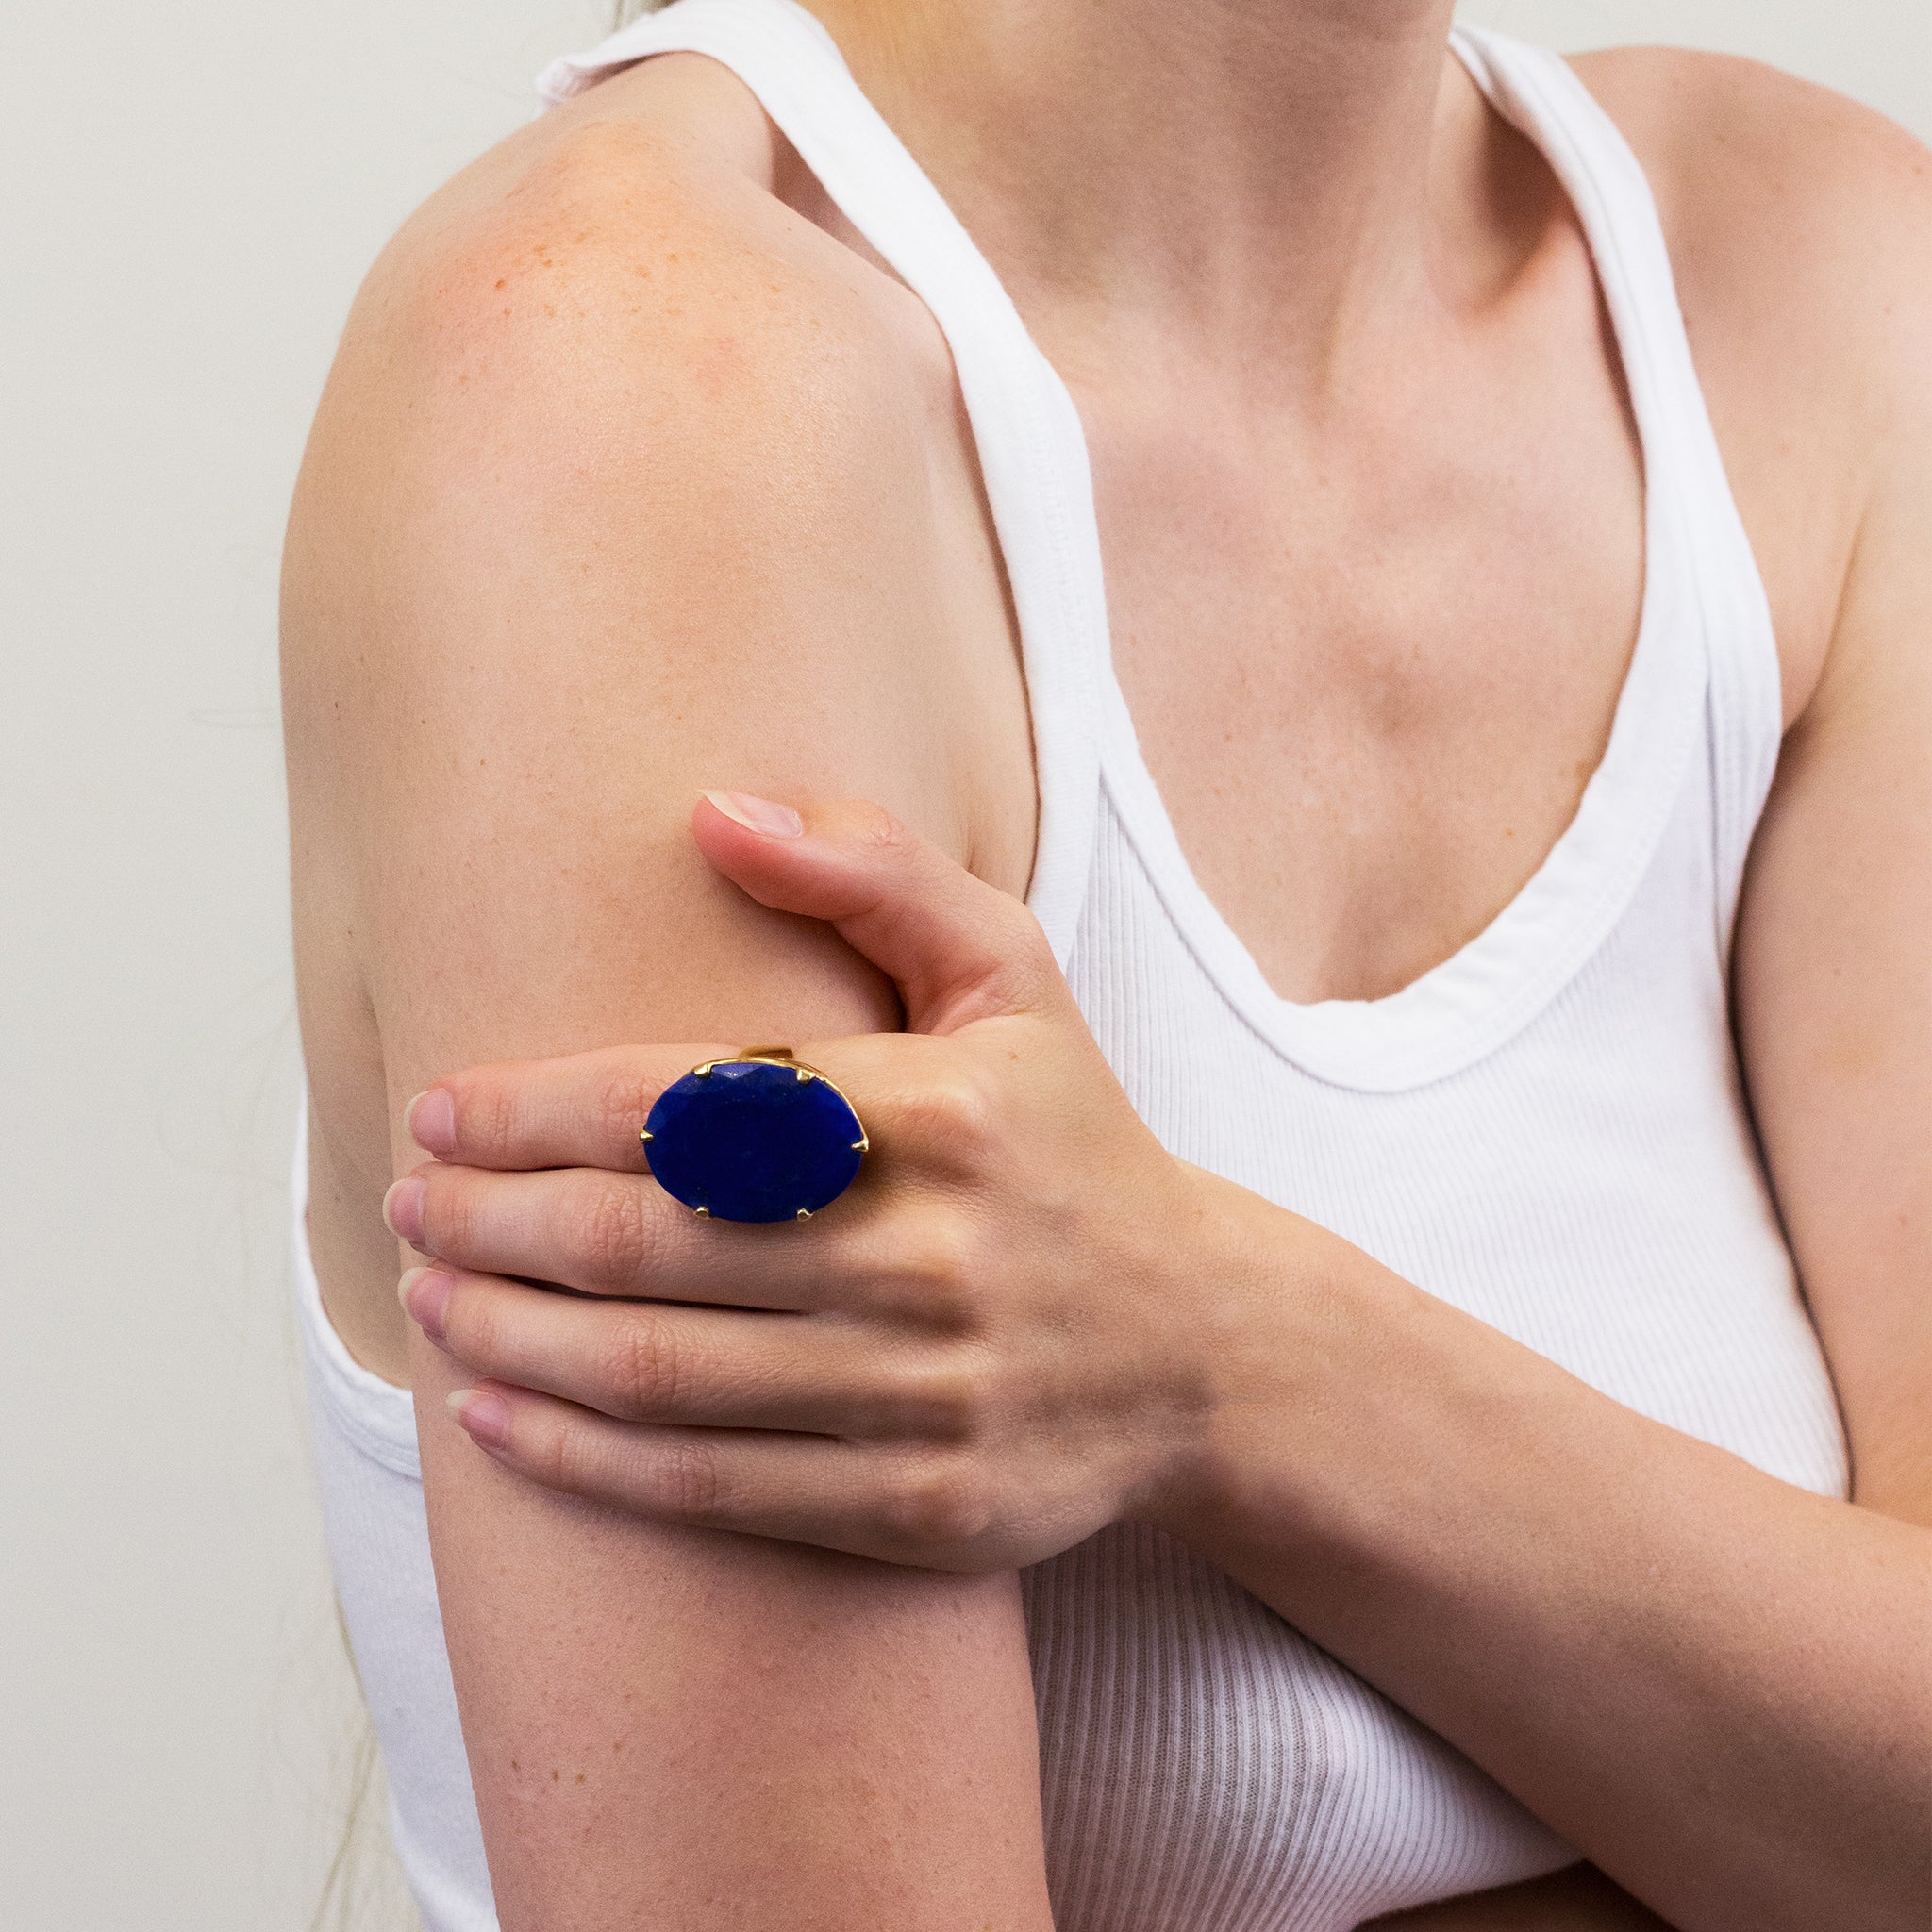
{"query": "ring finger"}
(649, 1363)
(610, 1234)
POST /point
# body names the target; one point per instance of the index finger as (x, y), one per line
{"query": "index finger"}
(585, 1109)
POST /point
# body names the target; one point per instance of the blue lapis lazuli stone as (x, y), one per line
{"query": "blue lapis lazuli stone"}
(751, 1141)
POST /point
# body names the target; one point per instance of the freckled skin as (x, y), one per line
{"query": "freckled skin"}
(638, 474)
(621, 488)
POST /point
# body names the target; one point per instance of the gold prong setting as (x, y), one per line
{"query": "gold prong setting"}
(736, 1152)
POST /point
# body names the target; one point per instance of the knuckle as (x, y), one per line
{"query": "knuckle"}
(875, 829)
(938, 1506)
(621, 1099)
(684, 1480)
(472, 1327)
(643, 1376)
(947, 1404)
(1027, 977)
(613, 1235)
(1028, 947)
(556, 1455)
(962, 1112)
(937, 1271)
(449, 1214)
(486, 1115)
(942, 1255)
(1032, 980)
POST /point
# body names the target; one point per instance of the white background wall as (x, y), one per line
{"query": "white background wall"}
(192, 190)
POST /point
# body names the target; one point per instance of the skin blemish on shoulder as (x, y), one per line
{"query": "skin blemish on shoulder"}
(719, 369)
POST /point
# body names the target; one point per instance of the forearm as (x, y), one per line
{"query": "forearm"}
(1036, 1323)
(1711, 1682)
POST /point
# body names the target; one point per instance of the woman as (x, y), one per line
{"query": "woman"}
(1341, 1346)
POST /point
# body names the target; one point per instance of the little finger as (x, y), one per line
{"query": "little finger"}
(927, 1512)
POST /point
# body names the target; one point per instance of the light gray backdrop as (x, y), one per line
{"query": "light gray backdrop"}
(192, 190)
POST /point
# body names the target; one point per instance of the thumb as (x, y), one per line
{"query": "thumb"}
(959, 949)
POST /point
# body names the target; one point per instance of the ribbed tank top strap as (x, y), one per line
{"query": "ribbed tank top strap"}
(1537, 91)
(1032, 451)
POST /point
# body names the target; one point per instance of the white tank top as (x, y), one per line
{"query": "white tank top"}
(1548, 1130)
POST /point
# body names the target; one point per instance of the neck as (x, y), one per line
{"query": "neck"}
(1222, 172)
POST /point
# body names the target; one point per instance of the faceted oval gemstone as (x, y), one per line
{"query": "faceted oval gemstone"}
(754, 1141)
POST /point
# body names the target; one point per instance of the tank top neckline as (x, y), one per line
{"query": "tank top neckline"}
(1591, 1189)
(1034, 459)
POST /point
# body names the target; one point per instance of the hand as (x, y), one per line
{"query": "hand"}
(1015, 1327)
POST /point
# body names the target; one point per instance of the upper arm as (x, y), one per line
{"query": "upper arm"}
(1833, 959)
(584, 528)
(587, 522)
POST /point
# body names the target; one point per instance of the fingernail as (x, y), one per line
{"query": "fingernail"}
(760, 815)
(402, 1210)
(425, 1293)
(431, 1118)
(484, 1415)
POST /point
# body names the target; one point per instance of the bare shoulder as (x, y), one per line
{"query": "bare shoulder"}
(611, 411)
(1800, 230)
(1829, 201)
(636, 249)
(630, 479)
